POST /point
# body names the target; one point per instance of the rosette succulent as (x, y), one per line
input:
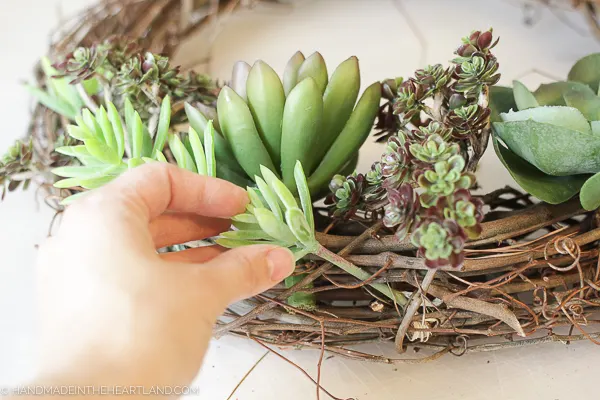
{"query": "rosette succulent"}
(305, 116)
(440, 242)
(549, 140)
(444, 179)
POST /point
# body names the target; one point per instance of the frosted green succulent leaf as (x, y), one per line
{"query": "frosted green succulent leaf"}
(304, 194)
(162, 130)
(117, 126)
(69, 200)
(269, 197)
(137, 136)
(53, 102)
(209, 146)
(161, 157)
(107, 130)
(79, 152)
(502, 100)
(77, 132)
(590, 193)
(566, 117)
(553, 149)
(183, 158)
(284, 194)
(551, 94)
(244, 226)
(100, 150)
(299, 226)
(551, 189)
(245, 218)
(587, 70)
(233, 243)
(135, 162)
(197, 151)
(87, 183)
(274, 227)
(92, 124)
(87, 171)
(254, 197)
(585, 101)
(523, 97)
(257, 234)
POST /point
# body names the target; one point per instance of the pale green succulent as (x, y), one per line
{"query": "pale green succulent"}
(110, 147)
(551, 145)
(444, 179)
(274, 216)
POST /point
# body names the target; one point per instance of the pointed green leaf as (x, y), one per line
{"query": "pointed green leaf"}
(553, 149)
(551, 94)
(92, 124)
(107, 130)
(269, 197)
(61, 86)
(254, 197)
(247, 235)
(590, 193)
(209, 147)
(551, 189)
(587, 70)
(284, 194)
(183, 158)
(585, 101)
(87, 171)
(244, 226)
(245, 218)
(129, 122)
(80, 152)
(100, 150)
(53, 102)
(567, 117)
(137, 136)
(134, 162)
(274, 227)
(523, 97)
(117, 126)
(502, 100)
(233, 243)
(69, 200)
(161, 157)
(77, 132)
(164, 121)
(198, 151)
(299, 226)
(304, 194)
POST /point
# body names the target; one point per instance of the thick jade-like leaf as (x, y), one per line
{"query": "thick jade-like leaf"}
(590, 193)
(501, 100)
(585, 101)
(551, 94)
(553, 149)
(551, 189)
(566, 117)
(587, 70)
(523, 97)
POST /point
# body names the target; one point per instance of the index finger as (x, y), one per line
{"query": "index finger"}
(157, 187)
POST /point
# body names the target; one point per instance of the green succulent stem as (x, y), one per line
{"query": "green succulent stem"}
(359, 273)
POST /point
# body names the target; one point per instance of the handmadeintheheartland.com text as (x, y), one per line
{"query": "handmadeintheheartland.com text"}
(99, 390)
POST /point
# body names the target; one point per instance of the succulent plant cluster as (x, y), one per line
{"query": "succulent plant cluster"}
(549, 140)
(13, 164)
(421, 184)
(120, 69)
(305, 116)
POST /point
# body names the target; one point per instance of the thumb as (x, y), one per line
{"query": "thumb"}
(247, 271)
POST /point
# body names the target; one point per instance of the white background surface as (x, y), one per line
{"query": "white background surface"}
(377, 32)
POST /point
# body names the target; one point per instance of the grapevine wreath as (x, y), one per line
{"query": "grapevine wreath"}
(401, 253)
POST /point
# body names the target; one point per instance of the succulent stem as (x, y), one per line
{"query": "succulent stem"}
(359, 273)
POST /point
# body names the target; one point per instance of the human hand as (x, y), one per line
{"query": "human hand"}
(114, 311)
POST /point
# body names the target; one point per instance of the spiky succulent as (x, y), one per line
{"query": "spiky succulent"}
(274, 217)
(305, 116)
(551, 144)
(110, 147)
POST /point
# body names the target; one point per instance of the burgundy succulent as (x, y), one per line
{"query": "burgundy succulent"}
(402, 209)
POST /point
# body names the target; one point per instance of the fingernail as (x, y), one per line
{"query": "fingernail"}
(281, 263)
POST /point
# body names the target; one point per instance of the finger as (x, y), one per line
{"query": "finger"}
(176, 228)
(196, 255)
(246, 271)
(151, 189)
